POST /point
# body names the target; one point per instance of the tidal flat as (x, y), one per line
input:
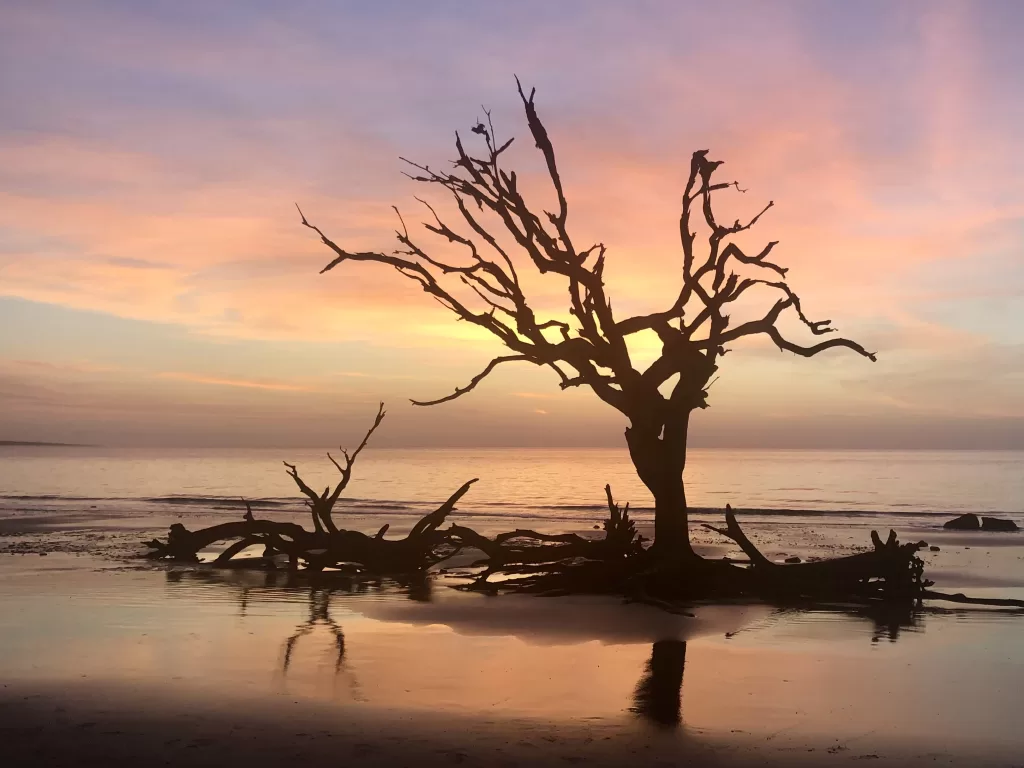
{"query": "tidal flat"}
(106, 660)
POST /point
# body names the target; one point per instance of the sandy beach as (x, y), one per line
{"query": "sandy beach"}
(511, 384)
(106, 660)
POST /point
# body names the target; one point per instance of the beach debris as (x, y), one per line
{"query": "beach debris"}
(551, 564)
(325, 547)
(934, 548)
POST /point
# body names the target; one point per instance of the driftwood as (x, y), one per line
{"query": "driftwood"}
(890, 573)
(890, 567)
(314, 550)
(327, 545)
(529, 561)
(523, 546)
(558, 563)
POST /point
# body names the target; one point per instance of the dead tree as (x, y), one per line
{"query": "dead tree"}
(590, 345)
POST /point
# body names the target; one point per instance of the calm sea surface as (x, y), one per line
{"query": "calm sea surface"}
(555, 484)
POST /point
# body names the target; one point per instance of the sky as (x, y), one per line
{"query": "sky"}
(157, 289)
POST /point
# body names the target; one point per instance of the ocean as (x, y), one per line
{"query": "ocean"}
(551, 485)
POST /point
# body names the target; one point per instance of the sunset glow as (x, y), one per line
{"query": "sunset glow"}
(156, 286)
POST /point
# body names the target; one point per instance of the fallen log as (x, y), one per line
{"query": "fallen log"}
(184, 545)
(315, 550)
(890, 567)
(327, 545)
(524, 546)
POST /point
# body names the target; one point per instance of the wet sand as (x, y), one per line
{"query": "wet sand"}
(82, 725)
(104, 662)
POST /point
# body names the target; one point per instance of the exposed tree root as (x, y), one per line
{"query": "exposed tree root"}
(890, 574)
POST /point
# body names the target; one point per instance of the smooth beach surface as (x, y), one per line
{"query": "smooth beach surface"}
(106, 660)
(101, 662)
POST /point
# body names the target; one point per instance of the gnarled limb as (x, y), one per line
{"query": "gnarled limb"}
(890, 568)
(322, 505)
(424, 546)
(326, 546)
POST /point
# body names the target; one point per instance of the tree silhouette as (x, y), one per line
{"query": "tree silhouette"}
(502, 234)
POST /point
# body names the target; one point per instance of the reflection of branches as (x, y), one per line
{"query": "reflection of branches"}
(658, 696)
(887, 620)
(319, 613)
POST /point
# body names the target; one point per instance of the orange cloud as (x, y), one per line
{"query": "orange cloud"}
(226, 382)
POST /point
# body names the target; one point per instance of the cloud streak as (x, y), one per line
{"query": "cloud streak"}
(151, 173)
(216, 381)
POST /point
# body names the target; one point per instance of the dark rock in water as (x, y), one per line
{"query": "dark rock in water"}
(995, 524)
(968, 522)
(792, 560)
(933, 548)
(971, 522)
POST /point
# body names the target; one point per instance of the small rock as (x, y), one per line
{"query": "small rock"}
(42, 554)
(792, 560)
(968, 522)
(933, 548)
(997, 524)
(597, 527)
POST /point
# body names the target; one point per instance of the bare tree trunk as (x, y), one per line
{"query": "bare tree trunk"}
(671, 527)
(660, 463)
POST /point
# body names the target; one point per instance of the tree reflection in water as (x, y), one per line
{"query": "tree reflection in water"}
(658, 697)
(319, 614)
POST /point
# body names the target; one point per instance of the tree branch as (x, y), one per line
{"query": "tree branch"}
(477, 379)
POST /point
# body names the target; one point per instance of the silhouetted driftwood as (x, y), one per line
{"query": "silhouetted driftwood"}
(890, 573)
(327, 545)
(524, 560)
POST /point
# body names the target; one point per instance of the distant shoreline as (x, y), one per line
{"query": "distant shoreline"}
(46, 445)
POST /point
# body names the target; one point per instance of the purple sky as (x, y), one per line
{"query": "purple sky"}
(156, 288)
